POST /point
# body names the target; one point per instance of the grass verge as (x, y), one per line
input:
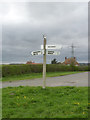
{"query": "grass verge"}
(0, 103)
(36, 75)
(52, 102)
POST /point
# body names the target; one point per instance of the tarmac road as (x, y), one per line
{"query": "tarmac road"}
(79, 79)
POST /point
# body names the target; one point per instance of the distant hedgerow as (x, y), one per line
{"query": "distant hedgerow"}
(9, 70)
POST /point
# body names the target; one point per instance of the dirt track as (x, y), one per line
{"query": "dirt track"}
(79, 79)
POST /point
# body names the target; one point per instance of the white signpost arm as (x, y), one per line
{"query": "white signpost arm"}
(44, 64)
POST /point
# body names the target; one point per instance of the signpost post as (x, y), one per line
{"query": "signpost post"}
(44, 47)
(44, 63)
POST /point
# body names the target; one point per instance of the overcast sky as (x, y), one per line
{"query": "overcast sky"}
(25, 23)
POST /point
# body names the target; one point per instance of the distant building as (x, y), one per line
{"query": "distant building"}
(30, 62)
(69, 61)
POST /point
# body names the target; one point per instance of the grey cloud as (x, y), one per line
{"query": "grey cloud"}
(63, 23)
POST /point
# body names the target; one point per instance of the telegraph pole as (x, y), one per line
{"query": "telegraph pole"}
(72, 46)
(44, 63)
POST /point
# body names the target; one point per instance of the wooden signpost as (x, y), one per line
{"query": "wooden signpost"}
(44, 52)
(44, 63)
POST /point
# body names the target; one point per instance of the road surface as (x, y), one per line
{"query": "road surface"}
(79, 79)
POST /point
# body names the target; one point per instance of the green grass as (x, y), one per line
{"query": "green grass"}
(52, 102)
(35, 75)
(0, 104)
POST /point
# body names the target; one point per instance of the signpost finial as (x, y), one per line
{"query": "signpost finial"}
(44, 36)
